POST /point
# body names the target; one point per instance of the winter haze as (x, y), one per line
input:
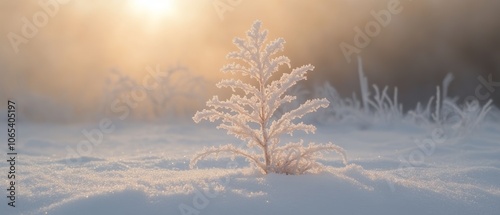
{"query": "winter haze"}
(246, 107)
(68, 60)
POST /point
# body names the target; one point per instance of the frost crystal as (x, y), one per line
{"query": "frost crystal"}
(252, 116)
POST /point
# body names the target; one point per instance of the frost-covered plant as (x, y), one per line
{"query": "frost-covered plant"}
(340, 109)
(444, 112)
(250, 116)
(175, 91)
(440, 111)
(378, 106)
(435, 112)
(381, 105)
(372, 108)
(118, 86)
(298, 91)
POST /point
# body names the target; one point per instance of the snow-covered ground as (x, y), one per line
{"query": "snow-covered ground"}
(144, 169)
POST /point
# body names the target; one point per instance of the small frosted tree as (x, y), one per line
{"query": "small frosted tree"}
(252, 117)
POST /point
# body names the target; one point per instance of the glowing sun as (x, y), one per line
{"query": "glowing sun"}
(154, 8)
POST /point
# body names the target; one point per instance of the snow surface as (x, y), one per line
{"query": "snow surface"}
(143, 169)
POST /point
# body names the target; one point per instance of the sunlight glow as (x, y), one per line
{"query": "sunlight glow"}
(154, 8)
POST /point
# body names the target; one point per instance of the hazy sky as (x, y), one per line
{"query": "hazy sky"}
(65, 64)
